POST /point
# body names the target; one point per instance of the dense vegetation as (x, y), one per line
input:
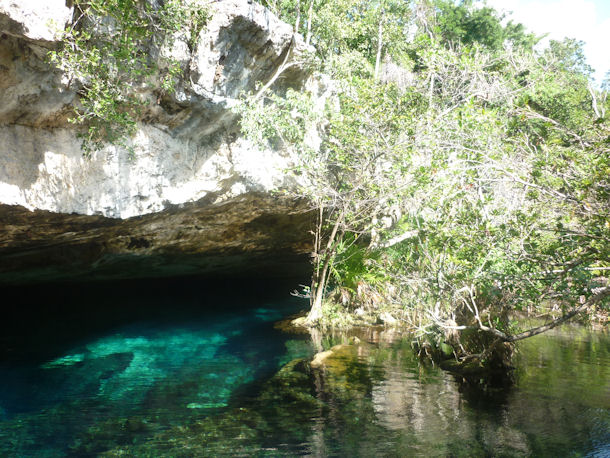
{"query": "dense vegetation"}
(459, 172)
(462, 175)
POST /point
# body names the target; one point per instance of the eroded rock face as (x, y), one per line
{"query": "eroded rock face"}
(252, 234)
(180, 202)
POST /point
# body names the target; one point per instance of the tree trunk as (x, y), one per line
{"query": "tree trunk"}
(298, 19)
(320, 279)
(379, 43)
(315, 313)
(285, 64)
(309, 19)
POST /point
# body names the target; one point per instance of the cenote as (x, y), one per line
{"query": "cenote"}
(187, 367)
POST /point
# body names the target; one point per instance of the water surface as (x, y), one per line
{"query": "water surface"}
(190, 368)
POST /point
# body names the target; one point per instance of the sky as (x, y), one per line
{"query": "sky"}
(586, 20)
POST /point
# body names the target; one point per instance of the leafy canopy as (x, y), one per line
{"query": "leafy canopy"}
(470, 182)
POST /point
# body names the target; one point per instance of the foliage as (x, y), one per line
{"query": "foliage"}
(106, 52)
(508, 215)
(345, 33)
(478, 187)
(284, 126)
(465, 24)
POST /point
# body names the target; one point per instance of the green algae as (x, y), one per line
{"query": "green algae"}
(284, 404)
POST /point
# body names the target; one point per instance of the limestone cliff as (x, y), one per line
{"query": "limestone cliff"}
(193, 197)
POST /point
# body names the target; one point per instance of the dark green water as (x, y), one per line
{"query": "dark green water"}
(187, 368)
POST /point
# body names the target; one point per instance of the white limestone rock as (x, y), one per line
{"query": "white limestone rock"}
(36, 20)
(187, 146)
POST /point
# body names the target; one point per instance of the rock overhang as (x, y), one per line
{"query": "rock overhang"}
(161, 208)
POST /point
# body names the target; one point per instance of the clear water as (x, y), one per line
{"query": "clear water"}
(185, 368)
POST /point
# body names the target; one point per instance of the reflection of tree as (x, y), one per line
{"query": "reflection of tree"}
(379, 399)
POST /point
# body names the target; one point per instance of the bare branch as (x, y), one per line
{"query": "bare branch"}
(601, 295)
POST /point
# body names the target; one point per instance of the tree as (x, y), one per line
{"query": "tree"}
(464, 24)
(351, 177)
(509, 216)
(478, 189)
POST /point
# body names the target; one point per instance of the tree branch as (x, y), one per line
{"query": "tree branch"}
(605, 292)
(285, 64)
(602, 294)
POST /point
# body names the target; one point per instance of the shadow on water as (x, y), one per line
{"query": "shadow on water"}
(39, 322)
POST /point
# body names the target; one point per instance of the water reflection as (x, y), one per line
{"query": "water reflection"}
(381, 400)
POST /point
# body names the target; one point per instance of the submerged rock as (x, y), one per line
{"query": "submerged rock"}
(68, 360)
(283, 405)
(319, 359)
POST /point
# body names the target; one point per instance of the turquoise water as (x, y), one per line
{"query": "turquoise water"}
(190, 368)
(80, 376)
